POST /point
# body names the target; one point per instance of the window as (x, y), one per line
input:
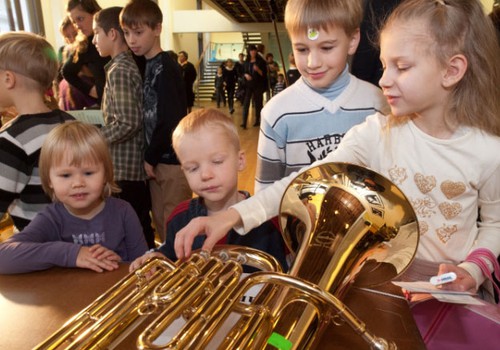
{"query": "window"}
(21, 15)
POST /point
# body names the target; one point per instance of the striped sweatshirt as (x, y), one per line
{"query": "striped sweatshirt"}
(21, 193)
(301, 125)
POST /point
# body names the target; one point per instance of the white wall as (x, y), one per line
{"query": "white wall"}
(183, 41)
(488, 5)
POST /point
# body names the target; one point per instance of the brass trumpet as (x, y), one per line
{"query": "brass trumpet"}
(340, 221)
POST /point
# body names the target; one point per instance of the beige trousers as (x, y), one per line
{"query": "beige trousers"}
(168, 190)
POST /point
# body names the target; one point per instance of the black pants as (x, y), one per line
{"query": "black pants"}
(254, 93)
(230, 96)
(137, 194)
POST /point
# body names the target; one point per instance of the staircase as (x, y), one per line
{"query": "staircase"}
(251, 38)
(206, 85)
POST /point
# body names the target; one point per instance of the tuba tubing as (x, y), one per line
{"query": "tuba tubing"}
(103, 306)
(327, 306)
(116, 313)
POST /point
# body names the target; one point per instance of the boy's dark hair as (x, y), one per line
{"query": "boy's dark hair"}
(141, 12)
(109, 18)
(89, 6)
(172, 54)
(184, 53)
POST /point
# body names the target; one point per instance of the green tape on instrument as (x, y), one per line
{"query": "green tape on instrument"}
(279, 342)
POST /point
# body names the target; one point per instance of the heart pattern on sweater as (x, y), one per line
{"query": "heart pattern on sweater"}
(445, 232)
(450, 210)
(425, 183)
(452, 189)
(423, 227)
(397, 175)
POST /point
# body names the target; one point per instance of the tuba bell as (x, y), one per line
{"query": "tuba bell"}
(342, 223)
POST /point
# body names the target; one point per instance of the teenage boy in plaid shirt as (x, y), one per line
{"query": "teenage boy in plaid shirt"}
(123, 116)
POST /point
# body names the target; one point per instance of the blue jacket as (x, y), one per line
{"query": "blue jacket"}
(266, 237)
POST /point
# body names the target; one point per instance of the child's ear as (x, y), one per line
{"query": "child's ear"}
(9, 79)
(455, 70)
(157, 29)
(242, 160)
(354, 42)
(113, 34)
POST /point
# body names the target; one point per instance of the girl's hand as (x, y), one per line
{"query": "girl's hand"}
(142, 259)
(102, 253)
(464, 282)
(214, 227)
(85, 260)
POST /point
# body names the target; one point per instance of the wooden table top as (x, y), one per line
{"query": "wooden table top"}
(35, 305)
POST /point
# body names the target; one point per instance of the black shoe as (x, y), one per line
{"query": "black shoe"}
(243, 126)
(231, 111)
(257, 124)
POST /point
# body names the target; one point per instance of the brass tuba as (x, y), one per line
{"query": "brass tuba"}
(341, 222)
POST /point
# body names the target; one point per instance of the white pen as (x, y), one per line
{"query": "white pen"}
(444, 278)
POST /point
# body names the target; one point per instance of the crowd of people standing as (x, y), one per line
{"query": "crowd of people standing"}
(253, 79)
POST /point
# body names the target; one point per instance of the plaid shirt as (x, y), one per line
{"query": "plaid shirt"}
(123, 117)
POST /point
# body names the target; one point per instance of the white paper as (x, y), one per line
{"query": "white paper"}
(446, 296)
(91, 116)
(426, 287)
(457, 299)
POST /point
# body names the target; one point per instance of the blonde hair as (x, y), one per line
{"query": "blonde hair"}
(206, 119)
(69, 47)
(29, 55)
(85, 144)
(321, 14)
(65, 23)
(461, 27)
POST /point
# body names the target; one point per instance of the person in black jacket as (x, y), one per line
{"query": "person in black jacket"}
(365, 62)
(239, 67)
(256, 84)
(164, 105)
(230, 77)
(189, 74)
(85, 61)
